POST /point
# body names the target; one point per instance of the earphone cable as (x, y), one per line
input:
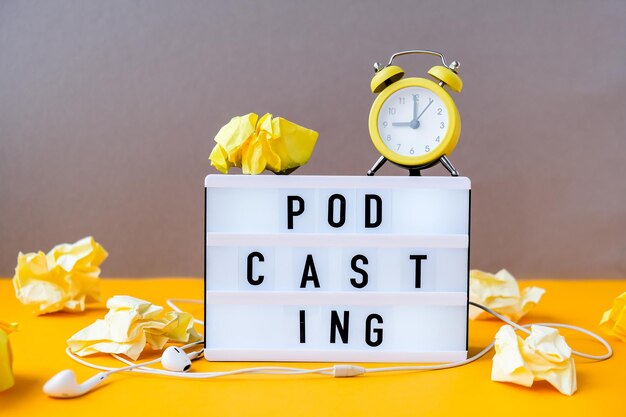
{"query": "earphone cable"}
(142, 368)
(607, 355)
(332, 371)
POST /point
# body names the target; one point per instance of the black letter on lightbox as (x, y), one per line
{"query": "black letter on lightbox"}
(302, 326)
(418, 268)
(359, 270)
(369, 224)
(336, 326)
(378, 332)
(309, 273)
(331, 210)
(251, 279)
(291, 211)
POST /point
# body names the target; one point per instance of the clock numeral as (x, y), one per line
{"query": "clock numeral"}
(388, 137)
(399, 146)
(392, 110)
(401, 100)
(427, 148)
(439, 110)
(412, 151)
(438, 139)
(385, 124)
(441, 125)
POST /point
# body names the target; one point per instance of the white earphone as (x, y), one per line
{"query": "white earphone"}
(176, 362)
(175, 359)
(64, 385)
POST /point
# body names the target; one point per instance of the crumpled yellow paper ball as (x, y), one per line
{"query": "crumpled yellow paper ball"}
(613, 321)
(501, 293)
(6, 356)
(543, 355)
(65, 278)
(257, 144)
(129, 325)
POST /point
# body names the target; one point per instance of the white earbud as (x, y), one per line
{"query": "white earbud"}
(64, 385)
(175, 359)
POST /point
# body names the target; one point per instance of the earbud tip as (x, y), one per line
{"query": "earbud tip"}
(61, 385)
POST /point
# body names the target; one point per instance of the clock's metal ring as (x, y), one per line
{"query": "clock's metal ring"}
(454, 65)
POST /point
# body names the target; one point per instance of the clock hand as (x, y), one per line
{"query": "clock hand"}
(430, 101)
(413, 124)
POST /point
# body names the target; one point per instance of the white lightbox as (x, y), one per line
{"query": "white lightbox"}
(336, 268)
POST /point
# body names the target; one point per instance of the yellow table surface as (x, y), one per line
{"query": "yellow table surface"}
(39, 353)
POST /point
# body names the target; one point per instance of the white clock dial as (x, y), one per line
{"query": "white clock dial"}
(413, 121)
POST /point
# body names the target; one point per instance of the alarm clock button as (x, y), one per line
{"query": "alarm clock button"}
(449, 77)
(386, 76)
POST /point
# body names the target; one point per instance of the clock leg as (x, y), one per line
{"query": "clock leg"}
(381, 161)
(448, 165)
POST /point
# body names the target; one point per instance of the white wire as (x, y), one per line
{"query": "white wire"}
(607, 355)
(142, 369)
(280, 370)
(109, 370)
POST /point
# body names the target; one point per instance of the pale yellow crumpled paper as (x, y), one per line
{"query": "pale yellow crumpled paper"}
(65, 278)
(544, 355)
(129, 325)
(613, 321)
(6, 356)
(501, 293)
(257, 144)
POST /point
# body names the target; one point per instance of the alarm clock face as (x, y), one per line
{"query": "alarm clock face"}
(413, 121)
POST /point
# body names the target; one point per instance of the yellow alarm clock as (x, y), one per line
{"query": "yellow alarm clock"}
(414, 122)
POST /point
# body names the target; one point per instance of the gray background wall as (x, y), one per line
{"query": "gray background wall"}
(108, 110)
